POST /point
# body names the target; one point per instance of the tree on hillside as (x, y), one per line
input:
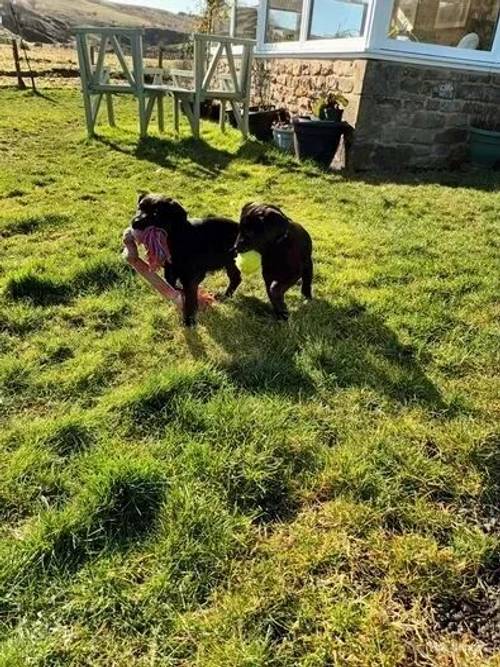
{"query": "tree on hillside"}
(12, 21)
(213, 15)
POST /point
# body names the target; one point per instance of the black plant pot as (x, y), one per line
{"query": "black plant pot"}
(260, 122)
(330, 113)
(317, 140)
(210, 110)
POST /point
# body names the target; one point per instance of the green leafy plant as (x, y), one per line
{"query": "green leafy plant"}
(332, 100)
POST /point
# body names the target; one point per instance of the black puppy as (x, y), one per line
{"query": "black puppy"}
(285, 247)
(196, 246)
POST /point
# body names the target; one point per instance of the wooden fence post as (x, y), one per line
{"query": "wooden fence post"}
(15, 52)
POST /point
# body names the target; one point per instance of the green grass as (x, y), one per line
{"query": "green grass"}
(249, 493)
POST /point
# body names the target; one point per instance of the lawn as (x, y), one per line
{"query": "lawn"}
(315, 494)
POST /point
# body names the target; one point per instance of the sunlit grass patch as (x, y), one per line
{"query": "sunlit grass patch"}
(323, 492)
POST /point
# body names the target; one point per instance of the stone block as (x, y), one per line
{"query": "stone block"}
(315, 68)
(415, 87)
(445, 106)
(406, 135)
(457, 120)
(412, 105)
(343, 67)
(427, 120)
(469, 91)
(453, 151)
(346, 85)
(393, 157)
(451, 136)
(474, 108)
(361, 155)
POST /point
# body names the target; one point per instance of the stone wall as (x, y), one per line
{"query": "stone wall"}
(295, 83)
(406, 116)
(414, 116)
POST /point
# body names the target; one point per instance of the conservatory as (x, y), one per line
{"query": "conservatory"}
(417, 73)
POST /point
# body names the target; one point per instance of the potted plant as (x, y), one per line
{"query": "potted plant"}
(263, 115)
(330, 106)
(318, 138)
(485, 142)
(283, 133)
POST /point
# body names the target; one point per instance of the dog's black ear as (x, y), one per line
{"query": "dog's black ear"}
(247, 208)
(141, 197)
(174, 210)
(275, 215)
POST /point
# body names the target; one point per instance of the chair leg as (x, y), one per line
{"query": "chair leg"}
(143, 122)
(222, 117)
(237, 115)
(89, 119)
(245, 129)
(196, 119)
(176, 103)
(161, 113)
(111, 110)
(189, 109)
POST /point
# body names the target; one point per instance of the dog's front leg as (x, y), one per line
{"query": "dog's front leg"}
(190, 303)
(170, 274)
(276, 291)
(234, 276)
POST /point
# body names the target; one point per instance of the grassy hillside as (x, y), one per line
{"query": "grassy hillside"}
(247, 494)
(108, 13)
(52, 21)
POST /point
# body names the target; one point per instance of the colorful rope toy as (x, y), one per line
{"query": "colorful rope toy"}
(155, 242)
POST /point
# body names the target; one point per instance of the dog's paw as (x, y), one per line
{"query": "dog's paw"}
(282, 315)
(190, 321)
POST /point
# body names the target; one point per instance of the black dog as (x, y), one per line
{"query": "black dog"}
(196, 247)
(285, 247)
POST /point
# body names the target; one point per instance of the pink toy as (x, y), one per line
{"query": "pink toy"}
(155, 242)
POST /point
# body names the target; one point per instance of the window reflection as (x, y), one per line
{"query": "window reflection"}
(246, 18)
(283, 20)
(338, 19)
(465, 24)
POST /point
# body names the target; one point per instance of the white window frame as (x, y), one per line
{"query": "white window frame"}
(375, 43)
(305, 46)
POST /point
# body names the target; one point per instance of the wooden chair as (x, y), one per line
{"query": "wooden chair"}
(208, 81)
(96, 79)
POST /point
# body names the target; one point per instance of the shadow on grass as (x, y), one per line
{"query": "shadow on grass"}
(212, 161)
(44, 96)
(323, 346)
(168, 153)
(121, 508)
(32, 224)
(95, 277)
(467, 177)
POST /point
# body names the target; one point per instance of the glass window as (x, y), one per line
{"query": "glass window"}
(246, 18)
(283, 20)
(338, 19)
(465, 24)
